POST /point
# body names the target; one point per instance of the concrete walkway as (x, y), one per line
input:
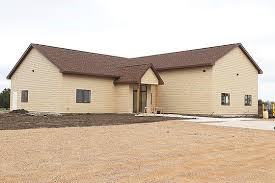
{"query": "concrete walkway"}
(252, 123)
(260, 125)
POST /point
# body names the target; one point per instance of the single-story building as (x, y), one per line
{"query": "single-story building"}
(221, 80)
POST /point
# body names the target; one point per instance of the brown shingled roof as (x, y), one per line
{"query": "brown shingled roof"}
(192, 58)
(126, 70)
(134, 73)
(85, 63)
(79, 62)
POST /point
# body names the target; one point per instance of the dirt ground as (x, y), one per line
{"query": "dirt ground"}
(15, 121)
(172, 151)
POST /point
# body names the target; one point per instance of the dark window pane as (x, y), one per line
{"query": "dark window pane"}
(83, 96)
(24, 96)
(78, 96)
(86, 94)
(225, 99)
(248, 100)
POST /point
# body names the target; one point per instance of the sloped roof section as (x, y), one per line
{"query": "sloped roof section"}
(192, 58)
(79, 62)
(134, 73)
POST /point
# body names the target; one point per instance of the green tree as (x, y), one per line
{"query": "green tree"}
(5, 98)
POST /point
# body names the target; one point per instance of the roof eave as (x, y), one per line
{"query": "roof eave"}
(184, 67)
(260, 71)
(19, 61)
(90, 74)
(160, 81)
(126, 82)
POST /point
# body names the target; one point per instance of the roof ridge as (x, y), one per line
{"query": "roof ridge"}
(236, 44)
(56, 47)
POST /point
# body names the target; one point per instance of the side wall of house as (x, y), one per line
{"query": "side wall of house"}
(105, 96)
(124, 98)
(102, 94)
(186, 91)
(236, 75)
(43, 82)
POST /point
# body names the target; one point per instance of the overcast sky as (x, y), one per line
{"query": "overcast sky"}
(141, 27)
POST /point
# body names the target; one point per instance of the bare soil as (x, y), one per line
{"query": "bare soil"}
(171, 151)
(22, 120)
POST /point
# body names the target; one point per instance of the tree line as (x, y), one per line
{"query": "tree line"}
(5, 98)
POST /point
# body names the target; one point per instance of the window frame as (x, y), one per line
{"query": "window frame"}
(248, 100)
(24, 96)
(223, 101)
(82, 100)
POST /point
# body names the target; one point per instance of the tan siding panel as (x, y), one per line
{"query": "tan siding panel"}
(102, 94)
(154, 95)
(105, 96)
(123, 98)
(44, 84)
(149, 78)
(226, 81)
(186, 91)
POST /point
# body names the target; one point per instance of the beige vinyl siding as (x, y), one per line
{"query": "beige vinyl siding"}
(149, 78)
(154, 95)
(102, 94)
(151, 97)
(43, 85)
(105, 96)
(226, 81)
(123, 98)
(187, 91)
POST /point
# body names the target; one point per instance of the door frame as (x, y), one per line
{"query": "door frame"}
(139, 103)
(143, 104)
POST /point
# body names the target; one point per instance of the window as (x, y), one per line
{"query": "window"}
(83, 96)
(248, 100)
(143, 88)
(24, 96)
(225, 99)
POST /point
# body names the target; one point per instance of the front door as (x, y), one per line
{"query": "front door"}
(142, 99)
